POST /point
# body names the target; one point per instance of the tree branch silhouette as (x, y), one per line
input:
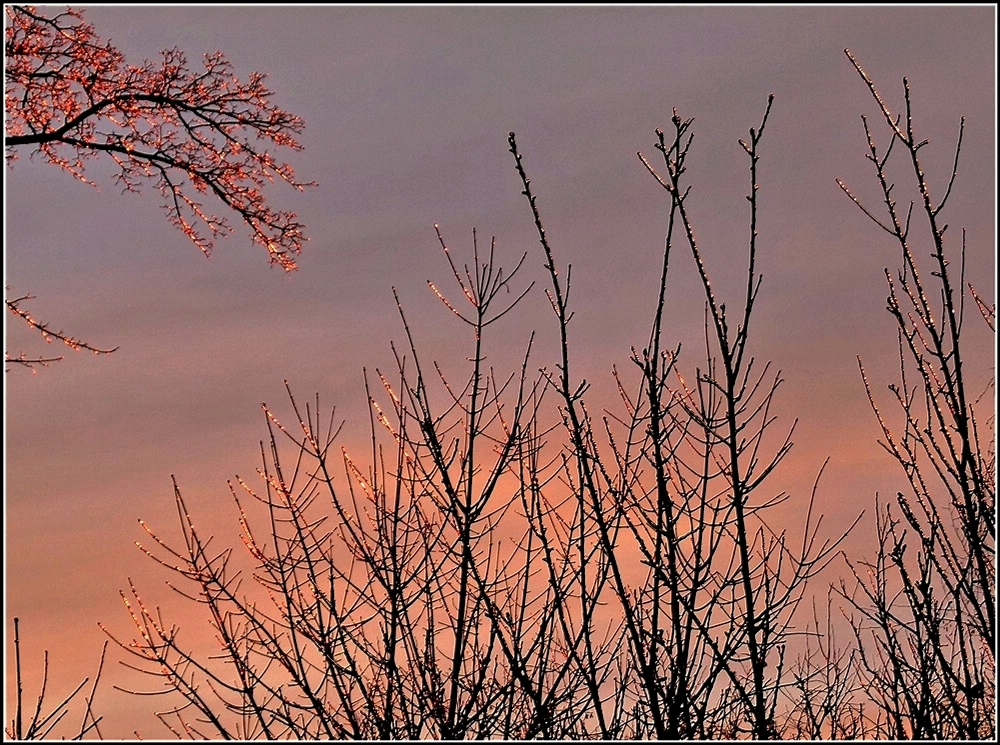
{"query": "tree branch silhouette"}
(185, 132)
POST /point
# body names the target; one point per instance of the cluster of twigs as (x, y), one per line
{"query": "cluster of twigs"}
(186, 132)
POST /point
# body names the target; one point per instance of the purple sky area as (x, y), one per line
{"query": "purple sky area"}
(407, 112)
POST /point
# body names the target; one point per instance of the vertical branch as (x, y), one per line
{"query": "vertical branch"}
(588, 465)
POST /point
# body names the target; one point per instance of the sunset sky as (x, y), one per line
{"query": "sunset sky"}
(407, 112)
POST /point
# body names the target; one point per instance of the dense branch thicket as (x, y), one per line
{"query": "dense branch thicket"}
(512, 564)
(926, 605)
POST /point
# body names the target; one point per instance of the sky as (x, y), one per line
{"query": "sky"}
(407, 111)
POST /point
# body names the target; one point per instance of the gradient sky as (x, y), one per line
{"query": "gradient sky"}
(407, 112)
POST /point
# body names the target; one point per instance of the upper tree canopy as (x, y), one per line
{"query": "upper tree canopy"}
(71, 96)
